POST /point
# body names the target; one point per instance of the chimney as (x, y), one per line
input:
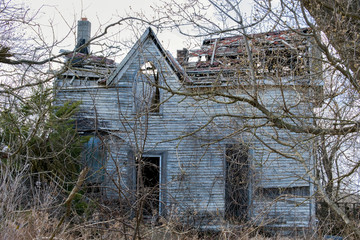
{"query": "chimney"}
(182, 56)
(83, 34)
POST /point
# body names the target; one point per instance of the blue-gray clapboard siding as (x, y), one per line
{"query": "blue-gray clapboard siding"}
(195, 164)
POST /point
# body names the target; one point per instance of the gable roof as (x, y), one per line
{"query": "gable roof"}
(148, 34)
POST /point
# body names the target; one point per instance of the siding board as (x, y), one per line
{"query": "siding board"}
(195, 164)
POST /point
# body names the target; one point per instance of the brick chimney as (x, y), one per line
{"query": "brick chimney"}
(83, 34)
(182, 56)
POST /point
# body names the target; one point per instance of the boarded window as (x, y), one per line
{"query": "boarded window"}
(236, 183)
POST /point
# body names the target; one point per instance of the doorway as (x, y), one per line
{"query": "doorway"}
(151, 181)
(236, 183)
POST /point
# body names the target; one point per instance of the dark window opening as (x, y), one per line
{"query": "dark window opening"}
(149, 92)
(155, 101)
(236, 183)
(149, 185)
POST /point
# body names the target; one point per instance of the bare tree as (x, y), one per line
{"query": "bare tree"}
(40, 148)
(331, 121)
(311, 118)
(339, 20)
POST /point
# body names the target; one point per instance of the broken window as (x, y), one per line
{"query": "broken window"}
(236, 182)
(147, 95)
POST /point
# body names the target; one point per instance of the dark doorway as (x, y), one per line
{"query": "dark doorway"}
(236, 183)
(150, 173)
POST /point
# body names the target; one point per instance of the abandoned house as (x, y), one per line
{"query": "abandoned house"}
(181, 135)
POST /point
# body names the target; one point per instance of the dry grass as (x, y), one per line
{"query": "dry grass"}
(35, 214)
(38, 224)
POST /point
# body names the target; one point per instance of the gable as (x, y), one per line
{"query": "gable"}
(146, 49)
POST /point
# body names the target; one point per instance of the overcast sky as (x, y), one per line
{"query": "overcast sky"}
(59, 16)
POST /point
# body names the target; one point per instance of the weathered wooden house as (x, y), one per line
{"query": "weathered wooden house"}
(186, 134)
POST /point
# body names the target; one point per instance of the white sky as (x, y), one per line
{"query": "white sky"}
(58, 17)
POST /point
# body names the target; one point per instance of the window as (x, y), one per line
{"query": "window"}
(94, 158)
(147, 92)
(274, 193)
(236, 182)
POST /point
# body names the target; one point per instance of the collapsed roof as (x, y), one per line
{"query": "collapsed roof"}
(219, 60)
(281, 53)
